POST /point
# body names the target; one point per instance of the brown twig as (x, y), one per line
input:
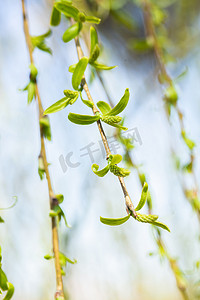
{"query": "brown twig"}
(151, 33)
(129, 203)
(53, 202)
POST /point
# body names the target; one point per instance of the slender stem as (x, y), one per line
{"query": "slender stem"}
(151, 32)
(129, 203)
(55, 240)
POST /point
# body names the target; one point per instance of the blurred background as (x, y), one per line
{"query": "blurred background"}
(122, 262)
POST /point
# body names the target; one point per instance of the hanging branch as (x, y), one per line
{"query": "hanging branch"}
(104, 113)
(178, 274)
(170, 99)
(43, 160)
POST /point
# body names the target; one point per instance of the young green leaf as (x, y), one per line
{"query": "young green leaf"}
(3, 280)
(60, 198)
(79, 72)
(100, 173)
(95, 54)
(34, 72)
(92, 19)
(159, 224)
(114, 222)
(48, 256)
(72, 68)
(121, 104)
(31, 91)
(46, 129)
(71, 32)
(67, 9)
(115, 159)
(87, 102)
(82, 119)
(62, 103)
(1, 220)
(41, 169)
(99, 66)
(93, 38)
(104, 107)
(55, 17)
(10, 291)
(143, 197)
(117, 125)
(190, 144)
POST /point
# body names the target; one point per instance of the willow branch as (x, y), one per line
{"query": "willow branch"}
(128, 201)
(151, 32)
(53, 202)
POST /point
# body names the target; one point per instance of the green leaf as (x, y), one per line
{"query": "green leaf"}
(31, 91)
(39, 42)
(72, 68)
(3, 280)
(118, 126)
(121, 104)
(10, 291)
(62, 103)
(60, 198)
(41, 169)
(34, 71)
(171, 95)
(143, 197)
(99, 66)
(82, 119)
(87, 102)
(159, 224)
(55, 17)
(79, 72)
(93, 38)
(64, 259)
(114, 222)
(100, 173)
(67, 9)
(1, 220)
(48, 257)
(92, 19)
(95, 54)
(142, 45)
(71, 32)
(190, 144)
(115, 159)
(81, 17)
(104, 107)
(64, 218)
(46, 129)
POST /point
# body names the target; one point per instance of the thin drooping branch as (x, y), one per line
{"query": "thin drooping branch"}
(159, 240)
(129, 203)
(53, 202)
(151, 33)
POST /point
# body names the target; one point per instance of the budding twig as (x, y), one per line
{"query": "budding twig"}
(128, 201)
(55, 240)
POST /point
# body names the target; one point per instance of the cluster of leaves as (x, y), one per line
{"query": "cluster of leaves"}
(107, 115)
(31, 86)
(63, 261)
(56, 210)
(5, 285)
(39, 42)
(151, 219)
